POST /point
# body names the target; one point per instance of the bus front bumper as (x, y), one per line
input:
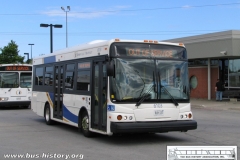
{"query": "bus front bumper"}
(158, 127)
(18, 103)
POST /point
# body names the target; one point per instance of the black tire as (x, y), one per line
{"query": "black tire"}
(85, 125)
(47, 115)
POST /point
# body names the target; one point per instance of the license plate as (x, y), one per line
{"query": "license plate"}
(159, 112)
(18, 98)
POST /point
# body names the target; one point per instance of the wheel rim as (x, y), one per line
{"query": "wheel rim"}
(85, 123)
(47, 114)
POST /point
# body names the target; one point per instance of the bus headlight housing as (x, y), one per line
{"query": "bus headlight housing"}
(185, 116)
(3, 98)
(122, 117)
(119, 117)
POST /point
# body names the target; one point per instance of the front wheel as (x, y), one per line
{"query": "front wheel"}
(85, 125)
(47, 115)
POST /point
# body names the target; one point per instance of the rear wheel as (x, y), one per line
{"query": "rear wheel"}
(47, 115)
(85, 125)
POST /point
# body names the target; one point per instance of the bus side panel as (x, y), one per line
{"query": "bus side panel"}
(34, 102)
(38, 102)
(70, 115)
(40, 108)
(70, 111)
(72, 106)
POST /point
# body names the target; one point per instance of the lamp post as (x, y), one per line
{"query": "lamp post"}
(31, 49)
(68, 9)
(51, 39)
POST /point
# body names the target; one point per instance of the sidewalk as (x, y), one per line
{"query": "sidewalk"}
(213, 104)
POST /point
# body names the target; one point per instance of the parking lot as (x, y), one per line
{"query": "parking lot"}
(24, 133)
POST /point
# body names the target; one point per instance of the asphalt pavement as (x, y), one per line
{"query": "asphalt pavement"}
(228, 104)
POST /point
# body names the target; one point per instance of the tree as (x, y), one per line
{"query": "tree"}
(9, 54)
(29, 61)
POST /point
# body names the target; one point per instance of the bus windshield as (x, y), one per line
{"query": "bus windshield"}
(25, 80)
(9, 80)
(156, 79)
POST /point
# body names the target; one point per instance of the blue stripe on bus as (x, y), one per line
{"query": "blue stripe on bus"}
(51, 95)
(49, 59)
(66, 113)
(69, 115)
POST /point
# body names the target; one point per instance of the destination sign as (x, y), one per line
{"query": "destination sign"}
(148, 51)
(84, 65)
(16, 68)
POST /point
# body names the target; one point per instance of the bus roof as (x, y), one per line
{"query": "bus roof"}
(93, 48)
(15, 64)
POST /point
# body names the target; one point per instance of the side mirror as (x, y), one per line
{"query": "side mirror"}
(110, 69)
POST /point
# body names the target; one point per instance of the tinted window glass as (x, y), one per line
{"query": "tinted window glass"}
(83, 80)
(26, 80)
(69, 80)
(49, 69)
(70, 66)
(48, 79)
(39, 76)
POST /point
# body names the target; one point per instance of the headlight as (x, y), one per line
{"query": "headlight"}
(3, 98)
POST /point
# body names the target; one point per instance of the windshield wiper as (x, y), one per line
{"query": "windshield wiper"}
(174, 100)
(146, 94)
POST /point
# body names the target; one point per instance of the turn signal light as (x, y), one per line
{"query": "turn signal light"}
(181, 44)
(189, 115)
(119, 117)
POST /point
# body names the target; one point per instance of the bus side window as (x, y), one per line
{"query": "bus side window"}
(83, 80)
(69, 76)
(69, 80)
(39, 76)
(48, 76)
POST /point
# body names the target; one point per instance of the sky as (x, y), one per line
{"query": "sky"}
(104, 20)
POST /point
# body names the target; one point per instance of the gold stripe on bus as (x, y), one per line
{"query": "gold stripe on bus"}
(66, 120)
(49, 99)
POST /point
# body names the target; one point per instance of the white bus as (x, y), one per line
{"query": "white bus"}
(15, 85)
(115, 86)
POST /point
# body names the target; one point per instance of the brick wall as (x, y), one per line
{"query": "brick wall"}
(201, 91)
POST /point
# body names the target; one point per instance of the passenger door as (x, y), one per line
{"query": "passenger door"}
(58, 91)
(99, 94)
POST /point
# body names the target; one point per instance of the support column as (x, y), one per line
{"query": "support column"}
(209, 79)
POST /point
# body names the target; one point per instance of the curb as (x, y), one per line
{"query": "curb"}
(234, 108)
(213, 106)
(198, 106)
